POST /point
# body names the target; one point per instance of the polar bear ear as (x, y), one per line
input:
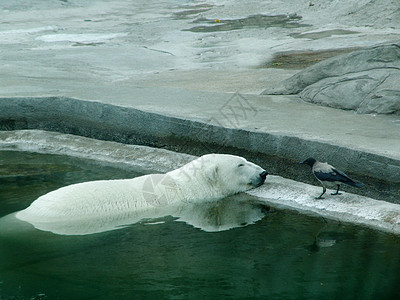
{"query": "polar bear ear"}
(212, 173)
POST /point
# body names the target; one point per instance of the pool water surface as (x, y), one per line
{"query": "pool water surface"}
(285, 255)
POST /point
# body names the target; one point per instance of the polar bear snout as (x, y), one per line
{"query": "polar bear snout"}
(263, 175)
(260, 179)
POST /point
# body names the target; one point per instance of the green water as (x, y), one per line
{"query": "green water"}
(286, 255)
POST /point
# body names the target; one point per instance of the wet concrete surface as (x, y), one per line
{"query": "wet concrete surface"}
(299, 60)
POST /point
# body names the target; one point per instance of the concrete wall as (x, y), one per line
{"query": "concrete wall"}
(277, 153)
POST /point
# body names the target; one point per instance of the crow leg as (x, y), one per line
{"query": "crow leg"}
(323, 192)
(337, 191)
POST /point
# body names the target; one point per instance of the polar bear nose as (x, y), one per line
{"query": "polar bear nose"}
(263, 174)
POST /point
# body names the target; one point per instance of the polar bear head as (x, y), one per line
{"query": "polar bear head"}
(214, 176)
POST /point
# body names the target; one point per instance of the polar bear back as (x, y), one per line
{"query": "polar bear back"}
(116, 196)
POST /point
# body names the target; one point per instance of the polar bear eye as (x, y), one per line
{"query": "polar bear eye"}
(240, 165)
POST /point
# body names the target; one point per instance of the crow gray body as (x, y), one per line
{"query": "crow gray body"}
(326, 174)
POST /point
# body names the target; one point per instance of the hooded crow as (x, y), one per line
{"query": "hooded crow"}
(325, 173)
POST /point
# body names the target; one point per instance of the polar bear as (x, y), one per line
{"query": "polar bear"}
(208, 178)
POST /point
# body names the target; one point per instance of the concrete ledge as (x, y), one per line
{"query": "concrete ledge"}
(279, 153)
(143, 159)
(277, 191)
(289, 194)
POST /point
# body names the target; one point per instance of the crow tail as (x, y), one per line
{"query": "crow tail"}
(356, 184)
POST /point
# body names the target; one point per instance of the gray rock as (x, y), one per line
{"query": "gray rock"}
(367, 81)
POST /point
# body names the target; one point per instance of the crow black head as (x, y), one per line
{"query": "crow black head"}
(309, 161)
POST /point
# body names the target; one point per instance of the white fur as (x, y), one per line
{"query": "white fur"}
(209, 177)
